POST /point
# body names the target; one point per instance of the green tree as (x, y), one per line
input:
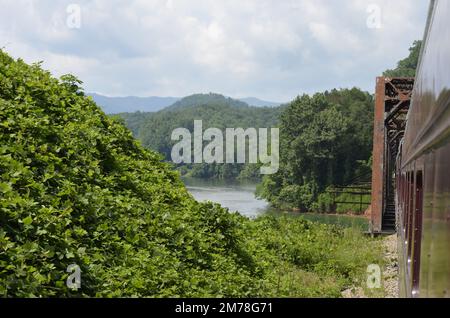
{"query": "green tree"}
(324, 137)
(407, 67)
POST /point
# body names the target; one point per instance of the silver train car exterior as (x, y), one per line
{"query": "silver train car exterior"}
(423, 168)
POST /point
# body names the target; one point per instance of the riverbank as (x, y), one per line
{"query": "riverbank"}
(240, 196)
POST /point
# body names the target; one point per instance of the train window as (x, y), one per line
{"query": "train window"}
(417, 233)
(402, 201)
(406, 201)
(410, 215)
(408, 211)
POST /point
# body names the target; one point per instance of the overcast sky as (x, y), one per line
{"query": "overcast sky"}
(273, 50)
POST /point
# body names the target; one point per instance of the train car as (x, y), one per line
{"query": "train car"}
(422, 176)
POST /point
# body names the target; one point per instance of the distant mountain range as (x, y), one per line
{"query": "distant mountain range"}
(253, 101)
(131, 104)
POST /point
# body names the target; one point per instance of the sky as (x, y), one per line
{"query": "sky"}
(270, 49)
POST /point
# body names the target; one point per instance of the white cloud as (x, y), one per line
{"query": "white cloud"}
(265, 48)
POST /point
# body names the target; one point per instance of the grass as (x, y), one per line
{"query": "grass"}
(310, 259)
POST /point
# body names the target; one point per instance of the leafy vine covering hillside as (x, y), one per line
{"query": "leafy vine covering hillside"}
(76, 188)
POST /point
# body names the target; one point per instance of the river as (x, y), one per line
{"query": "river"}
(236, 196)
(240, 197)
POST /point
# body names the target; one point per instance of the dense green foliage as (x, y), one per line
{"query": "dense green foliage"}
(407, 67)
(325, 140)
(350, 202)
(154, 129)
(76, 188)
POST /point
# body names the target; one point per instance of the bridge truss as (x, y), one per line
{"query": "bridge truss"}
(392, 101)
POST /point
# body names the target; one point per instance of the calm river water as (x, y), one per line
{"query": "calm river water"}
(236, 196)
(239, 196)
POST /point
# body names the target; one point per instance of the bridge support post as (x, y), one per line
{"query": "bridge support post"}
(378, 158)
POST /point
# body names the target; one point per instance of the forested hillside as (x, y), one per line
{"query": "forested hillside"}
(204, 100)
(76, 188)
(353, 110)
(114, 105)
(154, 129)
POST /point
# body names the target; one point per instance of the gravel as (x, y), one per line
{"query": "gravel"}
(390, 273)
